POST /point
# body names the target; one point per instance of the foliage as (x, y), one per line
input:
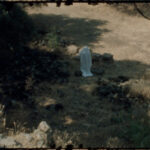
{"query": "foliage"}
(16, 27)
(53, 40)
(137, 133)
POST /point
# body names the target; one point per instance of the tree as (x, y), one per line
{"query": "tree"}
(16, 27)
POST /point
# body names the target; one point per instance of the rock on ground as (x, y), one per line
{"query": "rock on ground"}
(8, 142)
(40, 138)
(43, 126)
(37, 139)
(106, 57)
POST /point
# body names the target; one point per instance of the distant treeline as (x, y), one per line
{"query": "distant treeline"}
(70, 2)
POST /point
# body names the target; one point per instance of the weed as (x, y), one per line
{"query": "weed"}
(137, 133)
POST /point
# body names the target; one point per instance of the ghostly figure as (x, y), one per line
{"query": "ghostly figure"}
(85, 62)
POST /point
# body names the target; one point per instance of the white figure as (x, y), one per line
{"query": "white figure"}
(85, 62)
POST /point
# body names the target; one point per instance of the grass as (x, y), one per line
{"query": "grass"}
(137, 133)
(140, 88)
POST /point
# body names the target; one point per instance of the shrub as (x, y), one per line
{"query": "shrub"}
(53, 40)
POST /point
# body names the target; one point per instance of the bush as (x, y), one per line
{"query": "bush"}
(137, 133)
(53, 40)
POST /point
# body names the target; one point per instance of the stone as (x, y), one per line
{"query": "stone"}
(72, 49)
(8, 142)
(25, 139)
(37, 139)
(85, 62)
(28, 137)
(43, 126)
(40, 144)
(106, 57)
(39, 136)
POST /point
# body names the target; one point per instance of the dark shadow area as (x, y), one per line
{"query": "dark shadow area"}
(127, 8)
(82, 31)
(132, 69)
(131, 10)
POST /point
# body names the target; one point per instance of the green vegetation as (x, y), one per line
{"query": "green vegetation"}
(53, 40)
(137, 133)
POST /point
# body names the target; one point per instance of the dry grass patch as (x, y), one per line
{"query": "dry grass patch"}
(45, 101)
(88, 88)
(140, 87)
(146, 75)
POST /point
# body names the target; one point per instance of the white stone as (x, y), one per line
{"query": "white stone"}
(85, 62)
(26, 137)
(38, 135)
(40, 138)
(43, 126)
(40, 144)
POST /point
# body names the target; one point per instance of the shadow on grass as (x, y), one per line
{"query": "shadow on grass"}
(130, 8)
(82, 31)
